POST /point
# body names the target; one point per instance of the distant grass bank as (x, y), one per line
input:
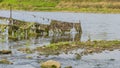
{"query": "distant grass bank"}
(96, 6)
(91, 10)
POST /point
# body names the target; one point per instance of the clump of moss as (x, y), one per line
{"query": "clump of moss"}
(25, 50)
(5, 61)
(68, 67)
(5, 52)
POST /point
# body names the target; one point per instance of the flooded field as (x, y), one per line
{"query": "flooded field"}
(98, 26)
(95, 26)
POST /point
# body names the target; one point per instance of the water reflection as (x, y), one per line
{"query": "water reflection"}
(4, 40)
(110, 30)
(95, 24)
(66, 37)
(32, 42)
(15, 35)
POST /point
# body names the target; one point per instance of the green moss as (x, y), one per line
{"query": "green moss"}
(25, 50)
(88, 46)
(57, 45)
(5, 61)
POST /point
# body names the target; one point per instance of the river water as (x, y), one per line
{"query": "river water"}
(98, 26)
(95, 26)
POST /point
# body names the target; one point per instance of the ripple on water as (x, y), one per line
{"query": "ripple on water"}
(16, 66)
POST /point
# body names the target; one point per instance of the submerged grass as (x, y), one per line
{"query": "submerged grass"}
(89, 46)
(55, 46)
(101, 43)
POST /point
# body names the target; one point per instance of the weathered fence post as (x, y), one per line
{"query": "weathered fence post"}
(10, 19)
(80, 31)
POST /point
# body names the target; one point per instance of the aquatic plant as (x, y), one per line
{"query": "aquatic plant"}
(57, 45)
(89, 46)
(5, 61)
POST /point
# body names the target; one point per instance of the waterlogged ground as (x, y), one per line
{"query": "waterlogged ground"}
(97, 26)
(106, 59)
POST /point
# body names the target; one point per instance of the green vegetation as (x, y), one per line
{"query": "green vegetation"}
(89, 46)
(5, 61)
(102, 43)
(27, 4)
(104, 6)
(57, 45)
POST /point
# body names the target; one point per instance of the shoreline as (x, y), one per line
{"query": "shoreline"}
(101, 6)
(62, 11)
